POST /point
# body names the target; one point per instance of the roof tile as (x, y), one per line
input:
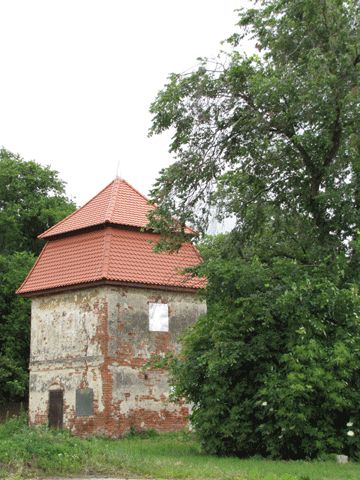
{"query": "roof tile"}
(114, 255)
(85, 255)
(118, 203)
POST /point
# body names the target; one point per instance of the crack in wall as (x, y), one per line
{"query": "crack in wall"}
(84, 380)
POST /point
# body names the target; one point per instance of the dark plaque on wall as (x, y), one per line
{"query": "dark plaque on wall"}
(84, 402)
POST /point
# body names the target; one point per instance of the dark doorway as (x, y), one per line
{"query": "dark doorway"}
(56, 402)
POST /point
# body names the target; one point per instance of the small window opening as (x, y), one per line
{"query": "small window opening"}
(158, 317)
(84, 402)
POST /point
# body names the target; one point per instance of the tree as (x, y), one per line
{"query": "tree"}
(274, 131)
(32, 198)
(14, 326)
(272, 140)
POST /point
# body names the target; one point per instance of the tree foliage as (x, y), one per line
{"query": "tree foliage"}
(271, 139)
(32, 198)
(274, 366)
(275, 130)
(14, 326)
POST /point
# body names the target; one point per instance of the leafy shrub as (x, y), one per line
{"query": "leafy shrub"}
(274, 367)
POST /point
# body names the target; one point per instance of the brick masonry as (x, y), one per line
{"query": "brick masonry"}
(99, 338)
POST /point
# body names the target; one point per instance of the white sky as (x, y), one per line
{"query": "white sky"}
(77, 78)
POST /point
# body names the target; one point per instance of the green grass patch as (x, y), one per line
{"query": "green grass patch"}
(29, 452)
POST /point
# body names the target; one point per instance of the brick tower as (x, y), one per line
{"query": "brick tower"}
(102, 303)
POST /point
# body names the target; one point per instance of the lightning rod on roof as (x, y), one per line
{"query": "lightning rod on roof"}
(117, 170)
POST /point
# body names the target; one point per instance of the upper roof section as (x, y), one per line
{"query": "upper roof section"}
(118, 203)
(111, 255)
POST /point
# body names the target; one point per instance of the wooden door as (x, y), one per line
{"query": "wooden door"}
(56, 409)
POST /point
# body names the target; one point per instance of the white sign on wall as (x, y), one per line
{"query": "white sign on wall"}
(158, 317)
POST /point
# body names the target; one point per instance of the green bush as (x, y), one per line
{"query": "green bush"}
(274, 367)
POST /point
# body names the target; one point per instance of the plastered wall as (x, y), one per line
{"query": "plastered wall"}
(99, 338)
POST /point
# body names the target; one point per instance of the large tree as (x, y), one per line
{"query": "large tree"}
(32, 198)
(272, 140)
(275, 131)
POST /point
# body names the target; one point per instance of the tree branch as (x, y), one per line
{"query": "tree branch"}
(336, 138)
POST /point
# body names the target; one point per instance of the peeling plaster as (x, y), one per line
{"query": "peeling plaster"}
(99, 338)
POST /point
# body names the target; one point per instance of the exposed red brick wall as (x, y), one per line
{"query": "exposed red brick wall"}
(145, 407)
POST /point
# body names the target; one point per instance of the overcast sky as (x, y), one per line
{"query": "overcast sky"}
(78, 76)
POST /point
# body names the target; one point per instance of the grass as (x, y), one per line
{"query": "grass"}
(26, 452)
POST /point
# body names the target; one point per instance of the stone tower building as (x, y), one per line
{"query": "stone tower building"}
(102, 303)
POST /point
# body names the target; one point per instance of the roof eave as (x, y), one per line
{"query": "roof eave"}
(95, 227)
(98, 283)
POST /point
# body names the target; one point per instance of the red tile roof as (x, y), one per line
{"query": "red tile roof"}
(110, 254)
(118, 203)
